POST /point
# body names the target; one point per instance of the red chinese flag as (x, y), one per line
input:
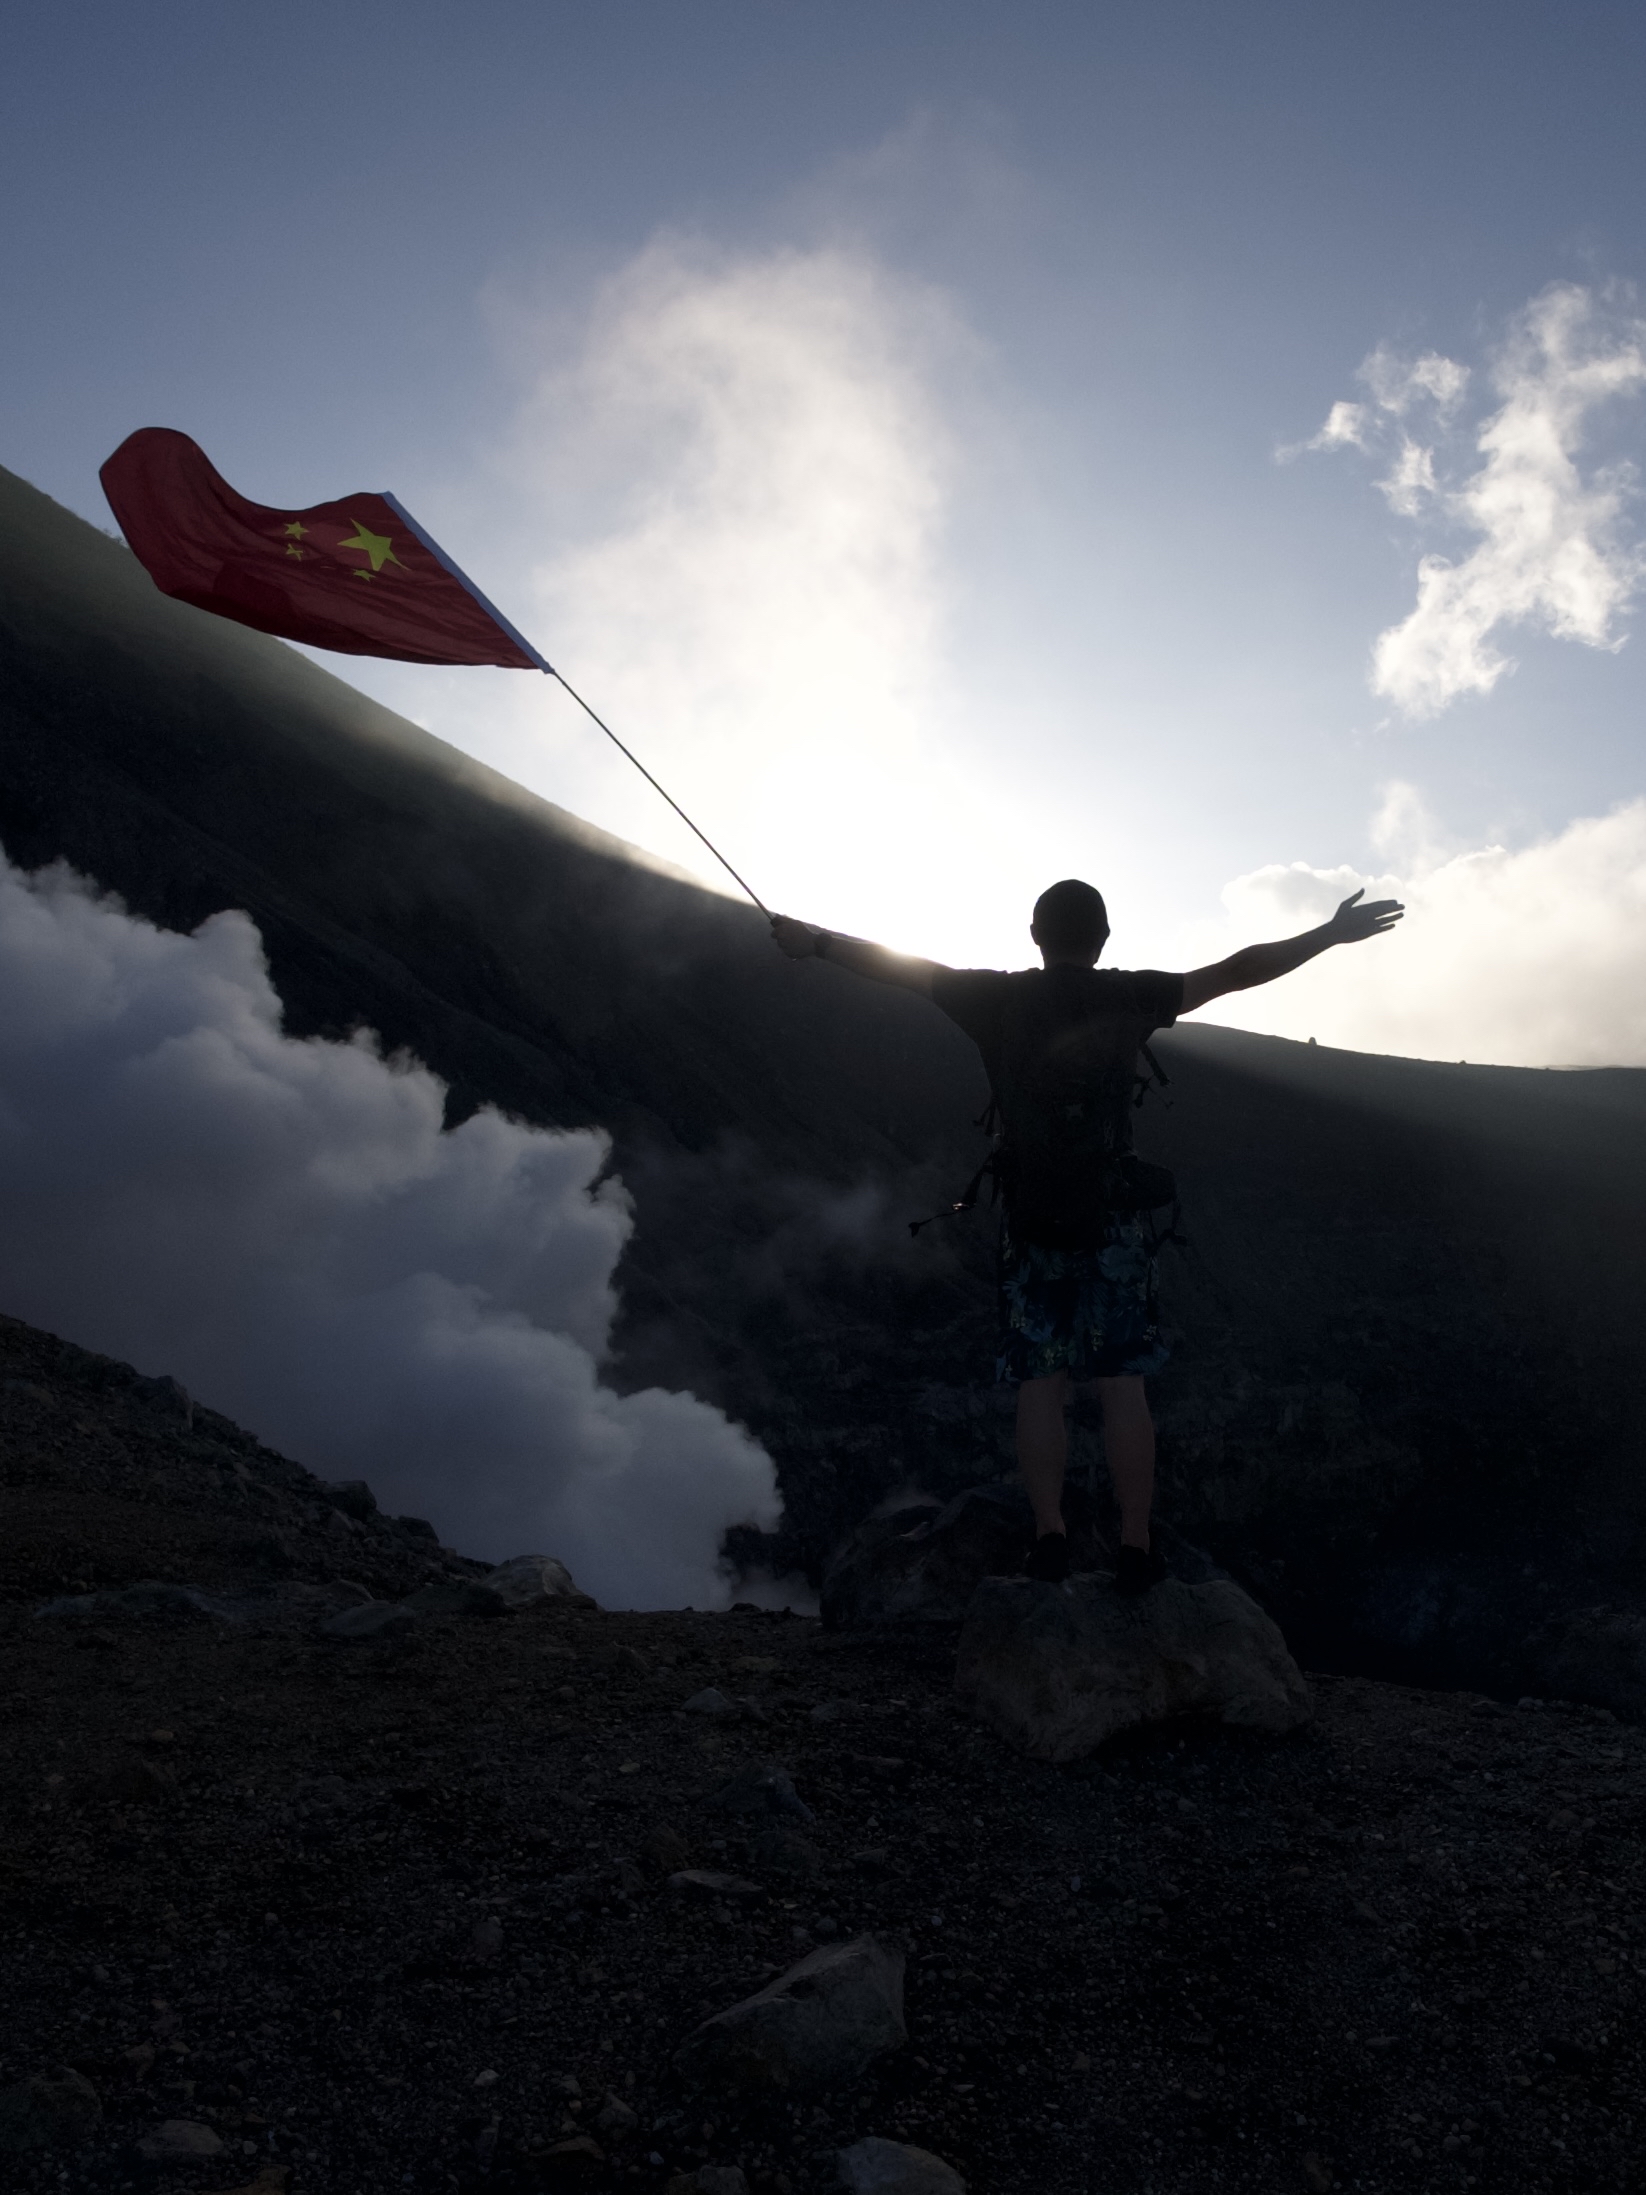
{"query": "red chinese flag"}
(359, 575)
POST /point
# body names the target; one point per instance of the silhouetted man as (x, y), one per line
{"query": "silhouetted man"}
(1077, 1253)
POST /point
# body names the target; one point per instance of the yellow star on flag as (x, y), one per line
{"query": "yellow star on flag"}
(296, 530)
(379, 547)
(293, 550)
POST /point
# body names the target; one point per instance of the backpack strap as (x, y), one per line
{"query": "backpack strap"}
(967, 1199)
(1156, 1078)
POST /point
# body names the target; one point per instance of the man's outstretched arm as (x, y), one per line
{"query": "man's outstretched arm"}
(1255, 964)
(804, 941)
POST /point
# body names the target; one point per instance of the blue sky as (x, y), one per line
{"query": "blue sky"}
(881, 410)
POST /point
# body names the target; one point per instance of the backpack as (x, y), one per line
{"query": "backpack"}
(1055, 1159)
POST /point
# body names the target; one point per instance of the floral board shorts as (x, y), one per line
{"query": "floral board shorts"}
(1091, 1313)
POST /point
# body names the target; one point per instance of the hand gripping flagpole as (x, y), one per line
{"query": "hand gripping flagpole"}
(521, 642)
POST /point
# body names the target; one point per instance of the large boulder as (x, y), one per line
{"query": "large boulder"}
(151, 1600)
(1598, 1655)
(526, 1579)
(875, 2166)
(923, 1562)
(1057, 1669)
(816, 2026)
(52, 2111)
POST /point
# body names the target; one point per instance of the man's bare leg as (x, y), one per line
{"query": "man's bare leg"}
(1043, 1446)
(1128, 1440)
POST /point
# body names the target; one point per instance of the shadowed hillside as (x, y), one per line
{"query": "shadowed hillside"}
(1407, 1405)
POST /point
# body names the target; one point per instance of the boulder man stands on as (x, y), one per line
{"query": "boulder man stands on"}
(1078, 1249)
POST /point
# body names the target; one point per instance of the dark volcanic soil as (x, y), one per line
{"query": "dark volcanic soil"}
(248, 1877)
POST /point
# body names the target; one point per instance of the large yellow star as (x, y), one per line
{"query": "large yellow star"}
(379, 547)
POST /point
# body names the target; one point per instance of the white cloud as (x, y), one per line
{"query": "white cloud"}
(1551, 553)
(1411, 478)
(1397, 384)
(1527, 957)
(286, 1227)
(1345, 428)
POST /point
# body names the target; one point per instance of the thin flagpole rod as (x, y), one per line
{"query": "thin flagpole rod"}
(656, 788)
(439, 554)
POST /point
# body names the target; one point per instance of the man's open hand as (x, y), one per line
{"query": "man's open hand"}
(797, 939)
(1352, 922)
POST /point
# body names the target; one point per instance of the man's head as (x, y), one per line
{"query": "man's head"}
(1071, 923)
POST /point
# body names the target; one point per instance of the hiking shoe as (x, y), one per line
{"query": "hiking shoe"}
(1137, 1569)
(1050, 1560)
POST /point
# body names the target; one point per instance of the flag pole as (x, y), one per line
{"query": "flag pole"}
(669, 797)
(439, 554)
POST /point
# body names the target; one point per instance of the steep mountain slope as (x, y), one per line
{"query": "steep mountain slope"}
(1410, 1369)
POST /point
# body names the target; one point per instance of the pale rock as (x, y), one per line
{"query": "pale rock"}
(1057, 1669)
(816, 2026)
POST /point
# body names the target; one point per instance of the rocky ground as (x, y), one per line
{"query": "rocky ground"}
(396, 1914)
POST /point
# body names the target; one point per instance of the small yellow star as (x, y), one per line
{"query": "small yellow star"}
(293, 550)
(297, 529)
(379, 547)
(366, 576)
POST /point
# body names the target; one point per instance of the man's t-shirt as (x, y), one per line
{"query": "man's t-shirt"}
(1060, 1046)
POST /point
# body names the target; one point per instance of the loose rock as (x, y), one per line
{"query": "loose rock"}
(152, 1600)
(173, 2140)
(821, 2023)
(132, 1783)
(783, 1851)
(762, 1788)
(370, 1620)
(526, 1579)
(1055, 1670)
(1598, 1654)
(706, 1882)
(353, 1496)
(579, 2162)
(456, 1597)
(53, 2111)
(877, 2167)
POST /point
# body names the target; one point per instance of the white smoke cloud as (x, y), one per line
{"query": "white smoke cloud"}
(287, 1228)
(1527, 957)
(747, 467)
(766, 605)
(1552, 554)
